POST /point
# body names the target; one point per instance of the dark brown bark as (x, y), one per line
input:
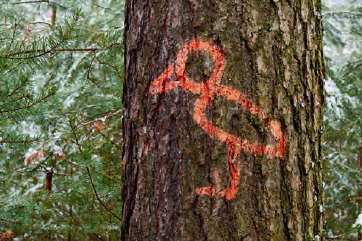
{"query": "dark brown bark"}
(49, 180)
(222, 120)
(48, 186)
(54, 15)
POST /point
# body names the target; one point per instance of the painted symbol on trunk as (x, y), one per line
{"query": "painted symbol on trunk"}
(207, 90)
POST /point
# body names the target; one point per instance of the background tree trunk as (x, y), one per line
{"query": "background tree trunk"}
(223, 94)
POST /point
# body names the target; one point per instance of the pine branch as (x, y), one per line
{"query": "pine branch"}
(115, 144)
(95, 192)
(342, 13)
(3, 67)
(88, 75)
(107, 115)
(59, 50)
(76, 138)
(97, 236)
(42, 1)
(17, 88)
(9, 221)
(110, 65)
(18, 142)
(28, 106)
(13, 37)
(64, 37)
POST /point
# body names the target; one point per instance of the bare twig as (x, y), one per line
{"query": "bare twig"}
(101, 202)
(28, 106)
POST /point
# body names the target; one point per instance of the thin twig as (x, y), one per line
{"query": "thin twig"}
(22, 84)
(51, 49)
(13, 37)
(15, 67)
(88, 74)
(95, 192)
(60, 50)
(42, 54)
(97, 236)
(1, 70)
(42, 1)
(115, 144)
(76, 138)
(40, 22)
(28, 106)
(101, 118)
(13, 142)
(9, 221)
(100, 6)
(112, 66)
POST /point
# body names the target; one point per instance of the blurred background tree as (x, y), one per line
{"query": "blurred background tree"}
(343, 120)
(61, 67)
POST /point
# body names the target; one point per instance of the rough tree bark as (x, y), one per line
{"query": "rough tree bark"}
(223, 120)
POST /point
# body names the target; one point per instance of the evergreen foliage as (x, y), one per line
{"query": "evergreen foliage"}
(61, 67)
(343, 122)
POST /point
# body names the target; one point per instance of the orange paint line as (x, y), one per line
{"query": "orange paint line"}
(207, 90)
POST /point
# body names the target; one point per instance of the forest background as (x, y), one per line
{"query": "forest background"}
(61, 68)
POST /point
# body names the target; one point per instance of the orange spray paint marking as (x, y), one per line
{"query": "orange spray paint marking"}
(206, 91)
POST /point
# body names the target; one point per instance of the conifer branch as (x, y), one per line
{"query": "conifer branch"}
(17, 88)
(49, 50)
(88, 75)
(97, 236)
(110, 65)
(76, 138)
(95, 192)
(3, 67)
(9, 221)
(107, 115)
(41, 1)
(17, 142)
(115, 144)
(13, 37)
(28, 106)
(59, 50)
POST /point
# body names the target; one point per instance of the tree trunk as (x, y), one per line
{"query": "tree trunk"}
(223, 120)
(54, 15)
(49, 180)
